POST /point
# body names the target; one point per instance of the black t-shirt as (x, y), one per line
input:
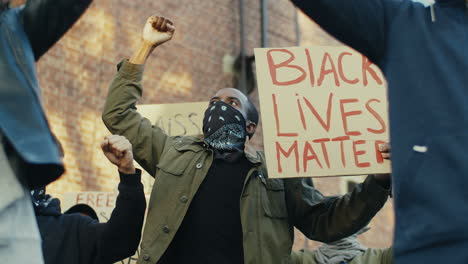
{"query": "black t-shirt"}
(211, 231)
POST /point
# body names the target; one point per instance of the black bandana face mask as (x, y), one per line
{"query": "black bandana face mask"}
(224, 127)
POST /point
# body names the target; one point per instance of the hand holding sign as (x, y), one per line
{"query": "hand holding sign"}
(385, 151)
(118, 150)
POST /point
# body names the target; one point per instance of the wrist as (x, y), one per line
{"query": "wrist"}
(127, 169)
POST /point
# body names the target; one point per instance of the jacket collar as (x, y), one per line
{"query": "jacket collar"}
(252, 154)
(197, 144)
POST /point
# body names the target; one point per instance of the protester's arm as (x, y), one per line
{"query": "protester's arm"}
(361, 24)
(120, 115)
(45, 21)
(122, 233)
(328, 219)
(120, 236)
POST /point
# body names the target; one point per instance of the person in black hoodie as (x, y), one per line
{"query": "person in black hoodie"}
(421, 46)
(79, 239)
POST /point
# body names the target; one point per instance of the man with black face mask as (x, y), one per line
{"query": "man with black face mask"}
(212, 201)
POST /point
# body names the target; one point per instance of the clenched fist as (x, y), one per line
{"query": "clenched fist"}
(118, 150)
(157, 30)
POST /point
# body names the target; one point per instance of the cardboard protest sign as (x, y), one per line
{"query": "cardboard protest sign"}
(103, 203)
(324, 112)
(183, 119)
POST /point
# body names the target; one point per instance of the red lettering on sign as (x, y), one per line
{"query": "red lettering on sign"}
(79, 198)
(301, 113)
(110, 200)
(345, 115)
(280, 150)
(311, 68)
(378, 155)
(376, 115)
(285, 64)
(341, 71)
(366, 68)
(324, 149)
(326, 126)
(99, 200)
(358, 153)
(324, 72)
(90, 199)
(309, 154)
(343, 156)
(275, 110)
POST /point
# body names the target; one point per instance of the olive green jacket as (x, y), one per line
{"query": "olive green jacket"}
(370, 256)
(270, 208)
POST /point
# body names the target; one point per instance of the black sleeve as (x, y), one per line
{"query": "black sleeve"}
(46, 21)
(120, 236)
(330, 218)
(361, 24)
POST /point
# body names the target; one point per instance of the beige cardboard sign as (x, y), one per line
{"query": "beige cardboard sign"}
(324, 112)
(183, 119)
(102, 202)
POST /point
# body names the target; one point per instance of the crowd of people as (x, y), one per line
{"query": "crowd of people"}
(212, 200)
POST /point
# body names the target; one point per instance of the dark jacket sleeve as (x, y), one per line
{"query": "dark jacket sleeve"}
(121, 117)
(120, 236)
(46, 21)
(328, 219)
(361, 24)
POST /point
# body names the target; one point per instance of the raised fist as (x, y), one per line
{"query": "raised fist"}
(157, 30)
(118, 150)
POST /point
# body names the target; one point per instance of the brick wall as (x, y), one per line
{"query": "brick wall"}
(75, 74)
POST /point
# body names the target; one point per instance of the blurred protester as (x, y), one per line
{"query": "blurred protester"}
(29, 156)
(79, 239)
(212, 200)
(83, 209)
(422, 50)
(345, 251)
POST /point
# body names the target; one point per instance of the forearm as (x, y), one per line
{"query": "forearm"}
(121, 235)
(334, 218)
(141, 54)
